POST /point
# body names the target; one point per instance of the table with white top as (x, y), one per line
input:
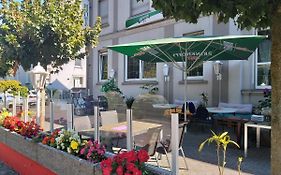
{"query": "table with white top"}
(258, 126)
(165, 106)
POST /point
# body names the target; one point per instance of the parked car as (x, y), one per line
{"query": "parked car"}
(32, 98)
(9, 99)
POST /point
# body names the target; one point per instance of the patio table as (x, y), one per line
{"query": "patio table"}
(258, 126)
(165, 106)
(120, 129)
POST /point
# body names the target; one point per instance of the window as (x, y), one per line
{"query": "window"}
(78, 63)
(196, 73)
(140, 70)
(139, 7)
(86, 13)
(264, 61)
(77, 82)
(103, 65)
(103, 11)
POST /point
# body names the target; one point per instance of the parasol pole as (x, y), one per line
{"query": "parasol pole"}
(185, 87)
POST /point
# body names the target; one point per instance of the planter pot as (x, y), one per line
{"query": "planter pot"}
(52, 161)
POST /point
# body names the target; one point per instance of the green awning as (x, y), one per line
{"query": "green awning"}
(193, 50)
(141, 18)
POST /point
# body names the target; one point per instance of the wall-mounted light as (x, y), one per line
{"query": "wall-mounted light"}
(111, 73)
(217, 69)
(165, 70)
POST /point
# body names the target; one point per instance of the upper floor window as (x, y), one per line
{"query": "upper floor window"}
(78, 63)
(196, 73)
(86, 13)
(263, 79)
(77, 82)
(103, 11)
(138, 7)
(103, 65)
(139, 70)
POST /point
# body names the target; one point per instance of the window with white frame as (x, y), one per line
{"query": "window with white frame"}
(196, 73)
(138, 7)
(86, 13)
(103, 65)
(263, 63)
(77, 82)
(139, 70)
(103, 11)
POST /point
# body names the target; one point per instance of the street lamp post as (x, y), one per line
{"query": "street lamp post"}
(38, 77)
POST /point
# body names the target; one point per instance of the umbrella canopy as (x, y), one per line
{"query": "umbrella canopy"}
(192, 50)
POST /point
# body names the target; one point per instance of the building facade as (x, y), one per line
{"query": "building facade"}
(126, 21)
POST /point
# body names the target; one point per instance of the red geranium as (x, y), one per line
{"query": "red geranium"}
(26, 129)
(131, 162)
(142, 156)
(50, 139)
(119, 170)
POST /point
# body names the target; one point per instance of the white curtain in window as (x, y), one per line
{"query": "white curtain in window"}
(103, 11)
(139, 7)
(103, 69)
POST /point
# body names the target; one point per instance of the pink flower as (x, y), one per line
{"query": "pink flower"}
(82, 151)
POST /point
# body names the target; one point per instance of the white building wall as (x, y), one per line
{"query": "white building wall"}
(239, 75)
(69, 72)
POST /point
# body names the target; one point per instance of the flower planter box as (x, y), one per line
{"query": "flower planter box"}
(51, 160)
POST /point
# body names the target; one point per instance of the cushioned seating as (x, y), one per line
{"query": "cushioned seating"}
(244, 111)
(190, 109)
(241, 108)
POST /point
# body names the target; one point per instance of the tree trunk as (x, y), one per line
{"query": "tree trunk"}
(276, 94)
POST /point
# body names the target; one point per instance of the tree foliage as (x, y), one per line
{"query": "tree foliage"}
(47, 31)
(246, 14)
(13, 87)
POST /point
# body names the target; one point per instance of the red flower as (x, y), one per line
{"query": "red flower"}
(118, 159)
(52, 140)
(143, 156)
(119, 170)
(126, 163)
(137, 172)
(45, 140)
(106, 163)
(106, 171)
(131, 156)
(131, 167)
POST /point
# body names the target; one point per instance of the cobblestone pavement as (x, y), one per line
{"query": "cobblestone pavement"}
(4, 170)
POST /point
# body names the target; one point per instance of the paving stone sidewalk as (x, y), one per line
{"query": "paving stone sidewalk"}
(4, 170)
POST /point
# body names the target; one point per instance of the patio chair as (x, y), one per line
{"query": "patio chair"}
(150, 141)
(108, 117)
(165, 147)
(82, 125)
